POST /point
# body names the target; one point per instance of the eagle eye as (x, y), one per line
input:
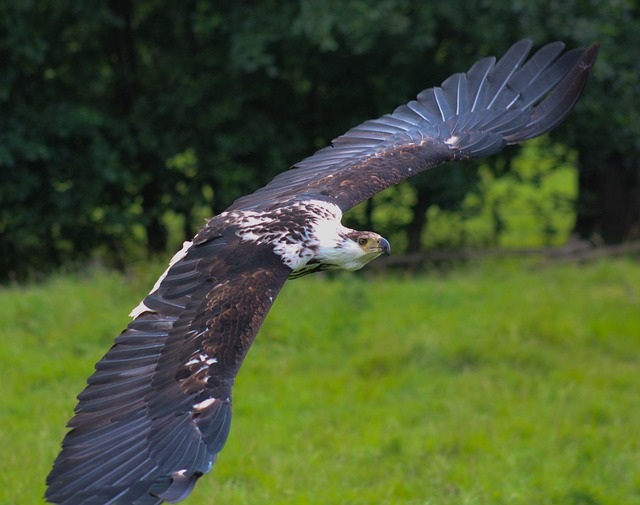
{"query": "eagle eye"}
(363, 240)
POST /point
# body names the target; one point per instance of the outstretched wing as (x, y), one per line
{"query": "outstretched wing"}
(157, 409)
(471, 115)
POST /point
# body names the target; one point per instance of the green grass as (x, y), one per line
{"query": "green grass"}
(495, 383)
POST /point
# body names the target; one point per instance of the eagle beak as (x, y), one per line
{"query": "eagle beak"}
(384, 246)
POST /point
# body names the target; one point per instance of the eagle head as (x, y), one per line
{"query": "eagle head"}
(371, 243)
(357, 248)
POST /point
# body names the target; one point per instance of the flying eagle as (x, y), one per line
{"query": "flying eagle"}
(157, 410)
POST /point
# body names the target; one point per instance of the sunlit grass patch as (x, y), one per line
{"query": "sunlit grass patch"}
(495, 383)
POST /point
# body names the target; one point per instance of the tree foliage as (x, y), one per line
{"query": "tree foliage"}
(113, 113)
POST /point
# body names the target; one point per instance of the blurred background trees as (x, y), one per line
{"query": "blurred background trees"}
(127, 122)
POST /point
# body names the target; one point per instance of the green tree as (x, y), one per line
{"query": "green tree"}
(113, 114)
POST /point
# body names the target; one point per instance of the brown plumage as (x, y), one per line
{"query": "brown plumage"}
(157, 410)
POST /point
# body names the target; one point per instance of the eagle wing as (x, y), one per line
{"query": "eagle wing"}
(157, 409)
(470, 115)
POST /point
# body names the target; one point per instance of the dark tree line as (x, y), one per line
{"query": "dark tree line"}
(113, 113)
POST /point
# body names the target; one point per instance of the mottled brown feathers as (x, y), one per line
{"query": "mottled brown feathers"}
(157, 410)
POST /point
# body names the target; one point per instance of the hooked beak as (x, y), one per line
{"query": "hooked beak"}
(384, 246)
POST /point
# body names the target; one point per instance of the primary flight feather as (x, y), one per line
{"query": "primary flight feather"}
(157, 410)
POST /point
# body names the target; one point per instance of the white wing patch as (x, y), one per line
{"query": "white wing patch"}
(452, 141)
(203, 359)
(204, 404)
(142, 308)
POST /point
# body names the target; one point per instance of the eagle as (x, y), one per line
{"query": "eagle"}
(157, 410)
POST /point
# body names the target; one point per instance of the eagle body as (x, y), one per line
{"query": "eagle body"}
(306, 235)
(302, 234)
(157, 410)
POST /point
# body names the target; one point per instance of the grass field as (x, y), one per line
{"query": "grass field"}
(495, 383)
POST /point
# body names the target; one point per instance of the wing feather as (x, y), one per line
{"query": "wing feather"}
(570, 74)
(478, 77)
(456, 89)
